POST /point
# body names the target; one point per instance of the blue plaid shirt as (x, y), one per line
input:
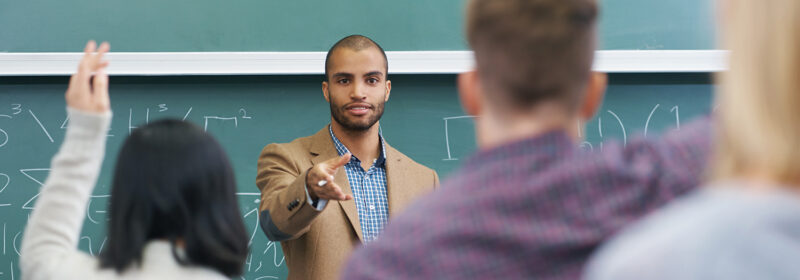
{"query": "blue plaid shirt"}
(369, 190)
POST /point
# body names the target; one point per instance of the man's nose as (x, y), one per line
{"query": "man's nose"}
(359, 91)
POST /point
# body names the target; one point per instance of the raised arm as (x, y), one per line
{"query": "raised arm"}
(51, 235)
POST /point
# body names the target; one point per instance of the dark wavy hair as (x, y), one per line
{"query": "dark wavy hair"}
(174, 182)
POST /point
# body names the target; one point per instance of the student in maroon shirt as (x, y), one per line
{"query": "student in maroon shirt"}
(530, 204)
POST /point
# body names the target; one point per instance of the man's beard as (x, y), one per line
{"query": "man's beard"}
(338, 113)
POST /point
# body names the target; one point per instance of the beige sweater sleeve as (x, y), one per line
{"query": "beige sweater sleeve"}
(52, 233)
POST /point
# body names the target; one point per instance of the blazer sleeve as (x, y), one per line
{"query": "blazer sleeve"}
(284, 211)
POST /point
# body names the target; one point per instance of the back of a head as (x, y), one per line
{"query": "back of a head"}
(174, 182)
(760, 94)
(529, 51)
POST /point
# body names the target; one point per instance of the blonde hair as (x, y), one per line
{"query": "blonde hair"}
(759, 100)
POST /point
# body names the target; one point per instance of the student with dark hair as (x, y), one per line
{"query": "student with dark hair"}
(173, 212)
(173, 182)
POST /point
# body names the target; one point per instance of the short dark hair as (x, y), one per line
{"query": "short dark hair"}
(528, 51)
(173, 181)
(355, 42)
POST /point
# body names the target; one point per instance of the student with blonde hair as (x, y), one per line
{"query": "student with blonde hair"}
(745, 223)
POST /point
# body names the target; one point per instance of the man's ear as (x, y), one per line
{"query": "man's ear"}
(593, 98)
(388, 90)
(325, 92)
(470, 92)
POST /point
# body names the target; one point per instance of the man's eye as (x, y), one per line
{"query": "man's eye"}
(372, 80)
(343, 81)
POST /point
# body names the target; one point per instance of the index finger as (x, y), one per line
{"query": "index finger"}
(81, 77)
(96, 62)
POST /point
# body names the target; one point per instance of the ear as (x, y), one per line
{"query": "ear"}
(593, 98)
(325, 92)
(470, 91)
(388, 90)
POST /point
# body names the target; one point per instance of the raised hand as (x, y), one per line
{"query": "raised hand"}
(88, 88)
(320, 179)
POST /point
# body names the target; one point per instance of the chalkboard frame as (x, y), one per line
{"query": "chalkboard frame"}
(311, 63)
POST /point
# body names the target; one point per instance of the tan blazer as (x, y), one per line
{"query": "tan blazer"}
(317, 243)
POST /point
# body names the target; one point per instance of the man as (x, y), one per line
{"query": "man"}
(529, 204)
(324, 194)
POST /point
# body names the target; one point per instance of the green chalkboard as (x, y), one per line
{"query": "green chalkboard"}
(423, 119)
(303, 25)
(657, 25)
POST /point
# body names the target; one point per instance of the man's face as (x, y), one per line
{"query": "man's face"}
(357, 87)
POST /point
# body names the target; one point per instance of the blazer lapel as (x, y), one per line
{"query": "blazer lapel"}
(396, 181)
(323, 149)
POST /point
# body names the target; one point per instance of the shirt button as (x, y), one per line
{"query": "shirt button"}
(372, 207)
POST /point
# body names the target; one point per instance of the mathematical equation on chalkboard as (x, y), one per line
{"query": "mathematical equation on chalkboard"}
(601, 127)
(16, 111)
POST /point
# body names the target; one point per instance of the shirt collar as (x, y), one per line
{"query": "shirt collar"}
(537, 148)
(341, 149)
